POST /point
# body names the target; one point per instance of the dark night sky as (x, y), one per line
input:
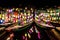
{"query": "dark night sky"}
(34, 3)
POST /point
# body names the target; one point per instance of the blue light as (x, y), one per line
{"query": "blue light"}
(1, 21)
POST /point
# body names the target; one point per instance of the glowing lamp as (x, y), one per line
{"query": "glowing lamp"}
(25, 34)
(1, 21)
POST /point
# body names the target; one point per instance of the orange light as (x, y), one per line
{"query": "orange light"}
(15, 13)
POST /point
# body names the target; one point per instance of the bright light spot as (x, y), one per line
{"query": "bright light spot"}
(3, 15)
(7, 10)
(16, 9)
(30, 19)
(36, 30)
(1, 20)
(9, 18)
(23, 17)
(47, 10)
(57, 13)
(25, 34)
(25, 14)
(13, 15)
(25, 7)
(21, 13)
(31, 8)
(32, 29)
(16, 20)
(8, 38)
(18, 16)
(24, 21)
(29, 35)
(28, 14)
(41, 14)
(36, 16)
(51, 11)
